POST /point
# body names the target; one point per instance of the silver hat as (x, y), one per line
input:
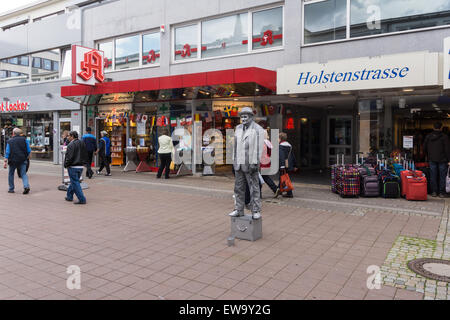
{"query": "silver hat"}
(246, 110)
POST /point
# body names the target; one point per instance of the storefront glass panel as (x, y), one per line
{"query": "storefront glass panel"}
(45, 65)
(371, 17)
(151, 48)
(186, 39)
(225, 36)
(325, 21)
(127, 52)
(268, 28)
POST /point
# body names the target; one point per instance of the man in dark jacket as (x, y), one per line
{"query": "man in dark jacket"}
(91, 145)
(437, 147)
(17, 152)
(104, 153)
(75, 160)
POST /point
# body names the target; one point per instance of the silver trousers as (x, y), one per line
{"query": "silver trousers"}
(252, 179)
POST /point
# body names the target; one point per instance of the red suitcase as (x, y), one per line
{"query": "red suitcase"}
(416, 186)
(403, 177)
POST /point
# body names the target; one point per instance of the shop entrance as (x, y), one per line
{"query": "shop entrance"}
(339, 138)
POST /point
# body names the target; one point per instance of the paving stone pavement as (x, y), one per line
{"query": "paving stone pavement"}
(142, 238)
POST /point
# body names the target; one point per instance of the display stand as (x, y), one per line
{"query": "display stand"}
(143, 153)
(131, 153)
(65, 174)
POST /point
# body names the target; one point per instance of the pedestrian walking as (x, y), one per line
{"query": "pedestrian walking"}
(266, 163)
(165, 153)
(17, 152)
(104, 153)
(75, 160)
(65, 138)
(437, 148)
(287, 162)
(91, 146)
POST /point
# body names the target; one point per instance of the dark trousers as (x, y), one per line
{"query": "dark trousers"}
(165, 160)
(268, 180)
(89, 171)
(104, 163)
(438, 176)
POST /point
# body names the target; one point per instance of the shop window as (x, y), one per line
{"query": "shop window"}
(107, 48)
(325, 21)
(127, 52)
(151, 48)
(225, 36)
(43, 67)
(186, 39)
(267, 28)
(371, 17)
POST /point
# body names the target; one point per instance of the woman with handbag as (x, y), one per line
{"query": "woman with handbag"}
(287, 163)
(165, 153)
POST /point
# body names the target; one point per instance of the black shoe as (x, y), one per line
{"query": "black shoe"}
(10, 191)
(434, 195)
(167, 177)
(79, 202)
(158, 177)
(67, 199)
(108, 175)
(442, 195)
(26, 191)
(288, 196)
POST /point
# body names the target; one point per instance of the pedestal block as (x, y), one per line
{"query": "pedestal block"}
(246, 228)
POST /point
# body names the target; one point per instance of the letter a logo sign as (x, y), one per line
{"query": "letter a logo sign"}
(87, 66)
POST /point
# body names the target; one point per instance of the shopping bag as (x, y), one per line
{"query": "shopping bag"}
(285, 183)
(172, 165)
(447, 181)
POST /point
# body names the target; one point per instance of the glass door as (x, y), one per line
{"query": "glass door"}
(339, 139)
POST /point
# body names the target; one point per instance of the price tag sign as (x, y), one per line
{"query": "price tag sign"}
(408, 142)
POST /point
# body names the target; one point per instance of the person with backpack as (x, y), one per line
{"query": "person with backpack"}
(437, 147)
(16, 154)
(287, 164)
(91, 145)
(104, 152)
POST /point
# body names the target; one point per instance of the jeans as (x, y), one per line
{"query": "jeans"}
(438, 175)
(165, 160)
(75, 187)
(22, 168)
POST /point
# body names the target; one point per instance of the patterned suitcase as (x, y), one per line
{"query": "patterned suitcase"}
(334, 172)
(348, 181)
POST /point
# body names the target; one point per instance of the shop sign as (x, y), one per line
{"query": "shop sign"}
(408, 142)
(447, 63)
(390, 71)
(87, 66)
(17, 106)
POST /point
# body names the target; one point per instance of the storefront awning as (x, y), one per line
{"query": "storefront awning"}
(215, 84)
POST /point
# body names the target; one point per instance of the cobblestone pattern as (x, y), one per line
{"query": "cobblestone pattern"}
(396, 273)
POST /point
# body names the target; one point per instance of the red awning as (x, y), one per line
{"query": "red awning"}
(259, 77)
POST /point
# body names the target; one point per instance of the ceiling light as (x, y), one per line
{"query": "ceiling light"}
(346, 92)
(293, 96)
(408, 90)
(257, 90)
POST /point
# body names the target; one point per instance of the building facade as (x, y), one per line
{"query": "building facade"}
(173, 62)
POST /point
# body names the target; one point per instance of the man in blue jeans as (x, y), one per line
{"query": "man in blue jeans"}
(17, 152)
(75, 160)
(437, 147)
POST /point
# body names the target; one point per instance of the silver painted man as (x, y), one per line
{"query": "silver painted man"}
(247, 151)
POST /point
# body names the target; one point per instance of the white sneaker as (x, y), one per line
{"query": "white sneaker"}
(235, 213)
(257, 216)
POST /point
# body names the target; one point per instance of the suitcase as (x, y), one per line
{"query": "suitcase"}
(370, 185)
(427, 172)
(334, 173)
(348, 181)
(398, 168)
(403, 178)
(389, 185)
(416, 186)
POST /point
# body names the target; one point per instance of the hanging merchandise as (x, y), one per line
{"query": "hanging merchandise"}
(173, 121)
(218, 115)
(208, 117)
(188, 120)
(281, 109)
(228, 124)
(138, 117)
(182, 121)
(159, 122)
(235, 111)
(271, 110)
(166, 121)
(153, 121)
(228, 110)
(197, 117)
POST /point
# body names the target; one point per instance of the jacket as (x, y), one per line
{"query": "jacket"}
(437, 147)
(267, 152)
(248, 146)
(104, 147)
(76, 154)
(90, 141)
(165, 144)
(17, 150)
(287, 154)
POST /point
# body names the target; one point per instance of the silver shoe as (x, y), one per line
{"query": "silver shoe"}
(257, 215)
(235, 213)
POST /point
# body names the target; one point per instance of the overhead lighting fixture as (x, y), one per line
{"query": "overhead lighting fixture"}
(408, 90)
(236, 99)
(346, 92)
(257, 89)
(184, 94)
(293, 96)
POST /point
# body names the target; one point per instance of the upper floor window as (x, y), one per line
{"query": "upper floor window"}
(151, 48)
(107, 48)
(127, 52)
(14, 70)
(45, 65)
(229, 35)
(326, 20)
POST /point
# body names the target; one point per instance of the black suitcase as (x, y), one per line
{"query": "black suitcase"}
(427, 173)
